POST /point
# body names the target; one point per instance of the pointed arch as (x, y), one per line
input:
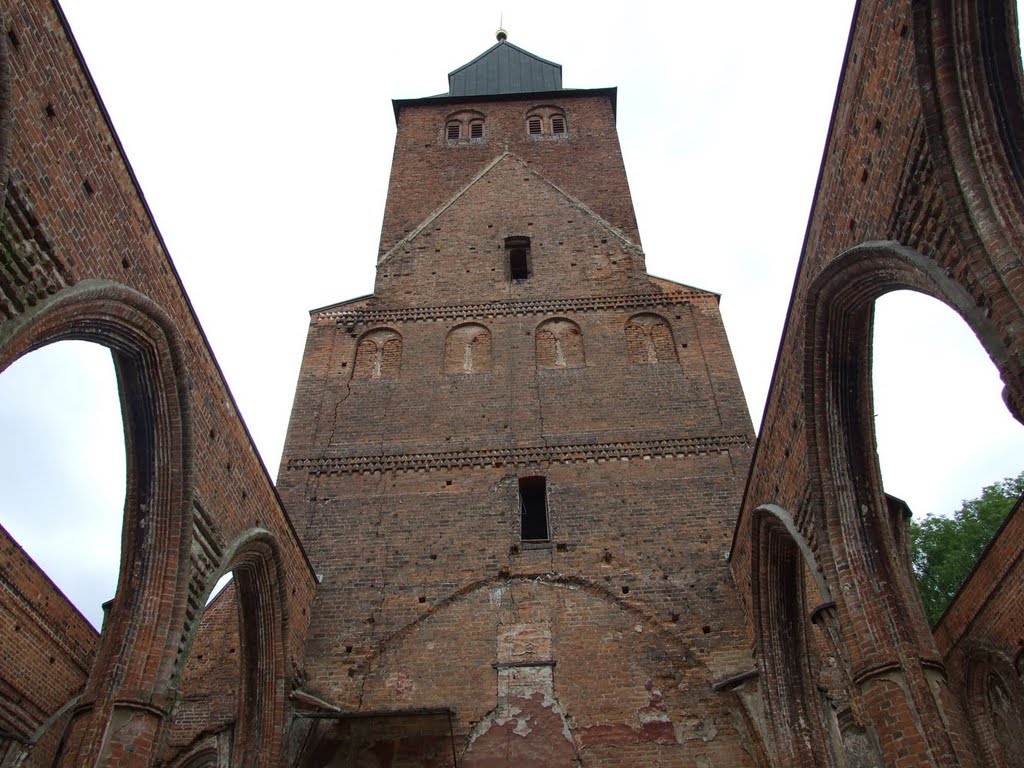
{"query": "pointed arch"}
(893, 657)
(994, 698)
(780, 556)
(863, 534)
(255, 560)
(972, 86)
(139, 647)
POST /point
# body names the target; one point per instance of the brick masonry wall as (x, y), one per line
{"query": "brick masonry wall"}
(47, 651)
(211, 681)
(74, 213)
(404, 487)
(429, 169)
(902, 166)
(402, 481)
(980, 637)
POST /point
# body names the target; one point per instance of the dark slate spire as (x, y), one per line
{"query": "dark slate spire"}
(505, 68)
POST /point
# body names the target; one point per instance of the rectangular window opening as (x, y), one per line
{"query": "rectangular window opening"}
(534, 126)
(518, 249)
(476, 130)
(454, 129)
(518, 264)
(558, 125)
(533, 508)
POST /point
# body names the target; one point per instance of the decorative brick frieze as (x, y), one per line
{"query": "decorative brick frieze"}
(369, 316)
(568, 453)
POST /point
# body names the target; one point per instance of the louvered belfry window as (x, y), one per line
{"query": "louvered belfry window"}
(476, 129)
(454, 131)
(558, 124)
(534, 126)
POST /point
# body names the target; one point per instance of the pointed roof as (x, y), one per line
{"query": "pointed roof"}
(505, 68)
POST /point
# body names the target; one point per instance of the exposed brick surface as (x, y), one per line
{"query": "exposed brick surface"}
(601, 643)
(46, 654)
(514, 333)
(81, 257)
(211, 679)
(919, 190)
(430, 170)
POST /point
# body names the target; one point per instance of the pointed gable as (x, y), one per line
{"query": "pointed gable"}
(460, 253)
(505, 68)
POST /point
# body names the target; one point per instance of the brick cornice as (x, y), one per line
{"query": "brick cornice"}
(368, 316)
(565, 453)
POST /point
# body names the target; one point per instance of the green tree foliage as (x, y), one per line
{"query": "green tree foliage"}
(945, 549)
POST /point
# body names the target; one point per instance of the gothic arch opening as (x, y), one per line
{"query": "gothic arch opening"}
(138, 651)
(938, 408)
(783, 598)
(995, 703)
(841, 401)
(62, 471)
(205, 712)
(232, 685)
(257, 586)
(62, 468)
(971, 81)
(864, 529)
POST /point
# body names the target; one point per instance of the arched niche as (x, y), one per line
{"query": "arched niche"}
(649, 340)
(378, 355)
(995, 706)
(559, 344)
(467, 349)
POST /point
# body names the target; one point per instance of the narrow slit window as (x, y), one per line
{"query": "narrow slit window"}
(454, 131)
(476, 129)
(533, 508)
(533, 126)
(558, 124)
(518, 249)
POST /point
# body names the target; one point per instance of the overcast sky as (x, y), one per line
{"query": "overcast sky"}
(262, 137)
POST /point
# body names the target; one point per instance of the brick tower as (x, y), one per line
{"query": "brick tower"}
(515, 466)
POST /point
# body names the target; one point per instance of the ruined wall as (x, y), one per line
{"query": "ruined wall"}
(80, 257)
(920, 189)
(982, 642)
(211, 680)
(48, 650)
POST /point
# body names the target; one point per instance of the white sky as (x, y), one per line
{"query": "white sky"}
(262, 136)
